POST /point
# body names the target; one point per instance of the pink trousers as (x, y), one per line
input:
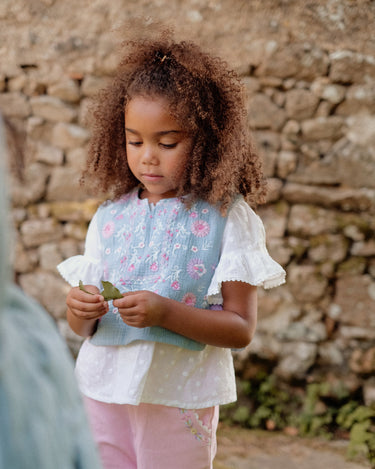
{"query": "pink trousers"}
(150, 436)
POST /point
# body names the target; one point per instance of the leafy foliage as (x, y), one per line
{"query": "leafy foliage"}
(321, 409)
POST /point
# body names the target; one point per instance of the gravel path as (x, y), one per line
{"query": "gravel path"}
(246, 449)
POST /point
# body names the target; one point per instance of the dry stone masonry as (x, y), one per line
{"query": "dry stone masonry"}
(311, 108)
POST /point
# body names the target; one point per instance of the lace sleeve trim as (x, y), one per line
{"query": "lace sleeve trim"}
(83, 268)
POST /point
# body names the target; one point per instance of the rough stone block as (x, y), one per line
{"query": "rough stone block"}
(351, 67)
(286, 163)
(264, 114)
(49, 256)
(38, 232)
(74, 211)
(68, 136)
(274, 218)
(53, 109)
(355, 299)
(64, 185)
(331, 92)
(328, 246)
(91, 85)
(48, 289)
(343, 198)
(360, 99)
(296, 360)
(308, 220)
(301, 61)
(48, 154)
(24, 260)
(67, 90)
(300, 104)
(355, 164)
(33, 188)
(76, 158)
(330, 127)
(306, 283)
(15, 105)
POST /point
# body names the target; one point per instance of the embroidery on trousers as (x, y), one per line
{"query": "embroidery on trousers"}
(192, 421)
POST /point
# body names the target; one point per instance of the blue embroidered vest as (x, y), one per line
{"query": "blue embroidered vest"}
(163, 248)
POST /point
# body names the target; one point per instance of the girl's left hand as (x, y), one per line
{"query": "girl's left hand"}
(141, 308)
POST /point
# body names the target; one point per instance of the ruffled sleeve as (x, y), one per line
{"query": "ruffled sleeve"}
(244, 256)
(89, 267)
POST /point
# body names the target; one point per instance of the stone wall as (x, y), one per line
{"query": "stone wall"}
(311, 107)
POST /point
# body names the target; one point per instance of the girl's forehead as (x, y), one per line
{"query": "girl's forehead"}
(146, 100)
(150, 108)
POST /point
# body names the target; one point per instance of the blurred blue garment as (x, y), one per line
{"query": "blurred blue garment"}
(42, 420)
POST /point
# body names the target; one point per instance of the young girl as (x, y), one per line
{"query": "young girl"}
(177, 238)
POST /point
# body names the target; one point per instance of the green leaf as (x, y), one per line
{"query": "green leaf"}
(110, 292)
(81, 287)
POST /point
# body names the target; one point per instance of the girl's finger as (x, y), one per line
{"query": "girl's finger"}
(86, 306)
(87, 298)
(126, 302)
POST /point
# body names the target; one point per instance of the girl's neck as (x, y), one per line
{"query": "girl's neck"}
(155, 198)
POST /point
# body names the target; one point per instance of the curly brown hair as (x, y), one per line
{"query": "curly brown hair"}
(205, 97)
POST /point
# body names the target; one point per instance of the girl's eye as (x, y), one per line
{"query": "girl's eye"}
(136, 144)
(168, 145)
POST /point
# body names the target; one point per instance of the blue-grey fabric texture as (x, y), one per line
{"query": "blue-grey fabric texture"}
(42, 420)
(165, 248)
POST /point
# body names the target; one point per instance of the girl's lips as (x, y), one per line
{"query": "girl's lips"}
(151, 177)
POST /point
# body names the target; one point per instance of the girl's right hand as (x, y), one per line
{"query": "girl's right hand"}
(85, 306)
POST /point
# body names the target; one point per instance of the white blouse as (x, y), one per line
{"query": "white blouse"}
(164, 374)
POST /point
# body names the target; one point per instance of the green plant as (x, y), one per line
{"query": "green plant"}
(322, 410)
(360, 420)
(261, 403)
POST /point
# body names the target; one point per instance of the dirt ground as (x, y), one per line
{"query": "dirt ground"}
(239, 448)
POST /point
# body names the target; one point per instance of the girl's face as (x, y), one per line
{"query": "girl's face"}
(157, 146)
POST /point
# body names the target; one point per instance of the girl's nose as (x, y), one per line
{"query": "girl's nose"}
(149, 155)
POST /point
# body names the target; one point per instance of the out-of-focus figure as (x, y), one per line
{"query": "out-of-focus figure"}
(42, 421)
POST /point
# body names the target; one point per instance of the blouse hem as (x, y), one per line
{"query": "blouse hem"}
(164, 402)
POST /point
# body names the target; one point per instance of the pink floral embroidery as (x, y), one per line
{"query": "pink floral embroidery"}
(193, 215)
(123, 282)
(196, 269)
(189, 299)
(131, 268)
(200, 228)
(194, 248)
(175, 285)
(154, 267)
(108, 229)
